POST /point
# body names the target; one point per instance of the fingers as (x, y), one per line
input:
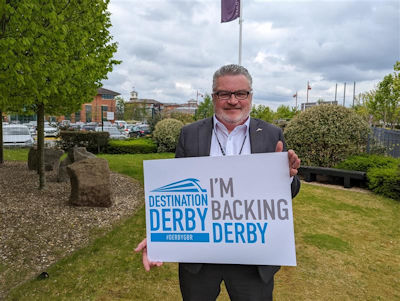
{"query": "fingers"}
(279, 146)
(147, 264)
(142, 245)
(294, 163)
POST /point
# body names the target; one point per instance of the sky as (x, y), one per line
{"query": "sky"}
(170, 49)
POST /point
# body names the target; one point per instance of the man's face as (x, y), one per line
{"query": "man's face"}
(232, 112)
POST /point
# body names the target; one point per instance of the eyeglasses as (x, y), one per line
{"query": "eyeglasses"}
(226, 95)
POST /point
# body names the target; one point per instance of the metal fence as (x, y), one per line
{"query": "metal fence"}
(389, 139)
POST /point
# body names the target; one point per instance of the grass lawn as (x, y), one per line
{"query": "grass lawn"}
(348, 248)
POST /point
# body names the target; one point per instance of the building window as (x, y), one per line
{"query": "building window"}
(107, 96)
(77, 116)
(88, 112)
(104, 110)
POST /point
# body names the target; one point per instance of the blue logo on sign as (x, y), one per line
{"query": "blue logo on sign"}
(187, 185)
(177, 212)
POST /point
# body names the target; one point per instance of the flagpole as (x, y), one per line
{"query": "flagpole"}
(308, 84)
(240, 31)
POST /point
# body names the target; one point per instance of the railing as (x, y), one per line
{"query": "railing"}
(389, 139)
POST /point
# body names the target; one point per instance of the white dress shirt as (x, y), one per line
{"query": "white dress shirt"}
(236, 142)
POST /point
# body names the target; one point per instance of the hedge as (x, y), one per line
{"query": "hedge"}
(383, 173)
(94, 142)
(131, 146)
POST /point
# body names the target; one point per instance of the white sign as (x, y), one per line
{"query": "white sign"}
(110, 115)
(232, 209)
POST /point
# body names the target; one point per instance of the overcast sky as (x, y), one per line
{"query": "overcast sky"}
(171, 48)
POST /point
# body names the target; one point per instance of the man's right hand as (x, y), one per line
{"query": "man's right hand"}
(142, 247)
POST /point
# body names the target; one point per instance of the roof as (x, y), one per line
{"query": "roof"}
(142, 100)
(106, 91)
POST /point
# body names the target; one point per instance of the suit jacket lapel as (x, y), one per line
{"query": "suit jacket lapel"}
(205, 134)
(256, 141)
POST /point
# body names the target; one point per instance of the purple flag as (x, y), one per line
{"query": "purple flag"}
(230, 10)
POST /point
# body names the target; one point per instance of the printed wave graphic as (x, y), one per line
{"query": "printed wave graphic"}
(187, 185)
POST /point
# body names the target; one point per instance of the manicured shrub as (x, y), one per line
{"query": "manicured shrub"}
(383, 173)
(131, 146)
(325, 135)
(166, 134)
(366, 162)
(94, 142)
(385, 181)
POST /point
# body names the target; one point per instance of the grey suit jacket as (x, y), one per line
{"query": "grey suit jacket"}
(195, 141)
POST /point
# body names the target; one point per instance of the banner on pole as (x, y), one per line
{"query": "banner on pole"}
(233, 209)
(230, 10)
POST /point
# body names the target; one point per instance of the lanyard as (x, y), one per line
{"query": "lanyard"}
(220, 146)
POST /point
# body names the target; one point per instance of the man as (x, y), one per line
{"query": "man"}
(230, 131)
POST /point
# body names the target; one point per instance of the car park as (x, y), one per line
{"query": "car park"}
(113, 131)
(17, 136)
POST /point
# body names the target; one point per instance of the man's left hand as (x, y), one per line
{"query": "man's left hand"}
(294, 161)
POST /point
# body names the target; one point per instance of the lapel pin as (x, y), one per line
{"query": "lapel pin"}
(259, 129)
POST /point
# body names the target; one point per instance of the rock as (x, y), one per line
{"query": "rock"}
(32, 158)
(51, 158)
(90, 183)
(76, 154)
(63, 175)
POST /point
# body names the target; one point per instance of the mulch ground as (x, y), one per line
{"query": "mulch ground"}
(37, 228)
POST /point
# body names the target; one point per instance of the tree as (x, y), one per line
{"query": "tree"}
(53, 54)
(120, 108)
(285, 112)
(262, 112)
(383, 104)
(205, 108)
(135, 111)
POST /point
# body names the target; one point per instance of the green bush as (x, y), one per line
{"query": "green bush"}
(385, 181)
(131, 146)
(383, 173)
(166, 134)
(94, 142)
(366, 162)
(325, 135)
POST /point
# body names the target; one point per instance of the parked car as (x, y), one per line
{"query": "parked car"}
(136, 132)
(113, 131)
(17, 135)
(145, 128)
(50, 131)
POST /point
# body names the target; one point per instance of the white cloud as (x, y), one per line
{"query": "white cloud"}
(171, 48)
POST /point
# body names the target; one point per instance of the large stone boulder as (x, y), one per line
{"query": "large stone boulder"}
(90, 183)
(51, 158)
(75, 154)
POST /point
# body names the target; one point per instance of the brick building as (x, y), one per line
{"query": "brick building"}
(103, 102)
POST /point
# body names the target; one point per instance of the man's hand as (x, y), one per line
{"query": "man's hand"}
(142, 247)
(294, 161)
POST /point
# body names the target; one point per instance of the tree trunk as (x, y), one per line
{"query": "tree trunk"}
(1, 138)
(40, 145)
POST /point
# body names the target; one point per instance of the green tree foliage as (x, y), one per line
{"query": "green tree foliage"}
(285, 112)
(205, 109)
(262, 112)
(186, 118)
(120, 108)
(382, 106)
(166, 134)
(135, 111)
(324, 135)
(53, 56)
